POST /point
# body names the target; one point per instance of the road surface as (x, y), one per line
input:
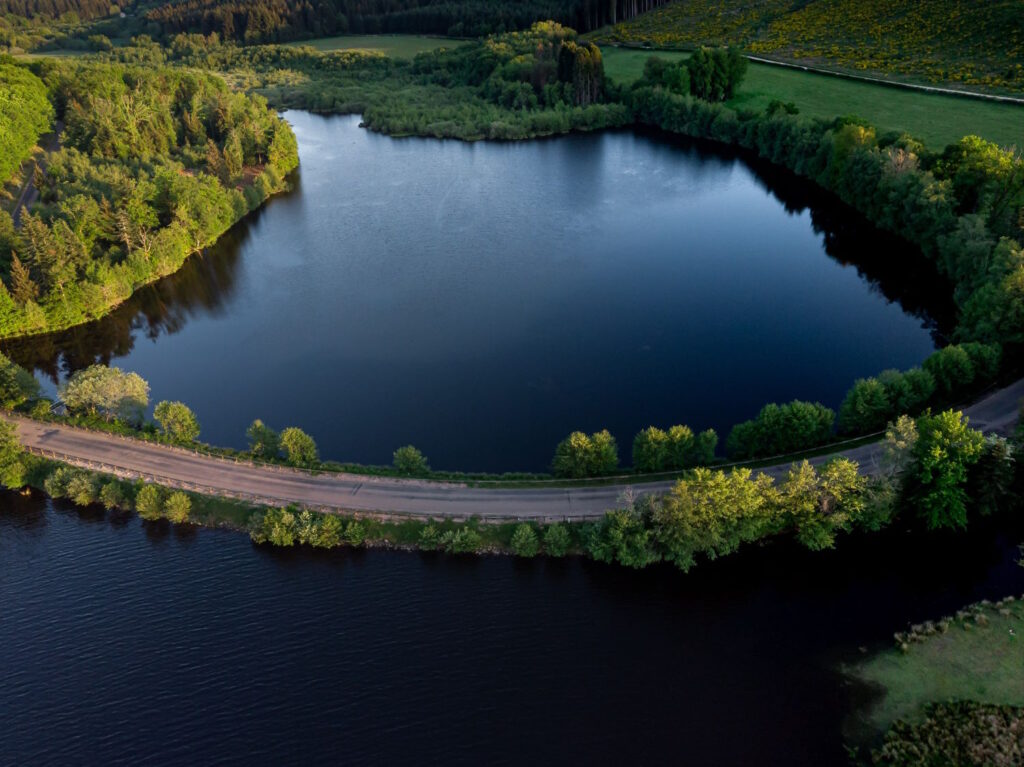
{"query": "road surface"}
(388, 496)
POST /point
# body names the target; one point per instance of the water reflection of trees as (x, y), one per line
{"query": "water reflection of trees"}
(206, 284)
(890, 265)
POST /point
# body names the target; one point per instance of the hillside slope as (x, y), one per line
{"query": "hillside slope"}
(959, 42)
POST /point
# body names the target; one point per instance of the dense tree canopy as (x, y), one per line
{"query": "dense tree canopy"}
(156, 164)
(25, 114)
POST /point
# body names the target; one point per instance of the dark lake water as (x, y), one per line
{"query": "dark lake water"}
(128, 643)
(483, 300)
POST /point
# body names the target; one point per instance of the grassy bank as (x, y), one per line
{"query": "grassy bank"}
(976, 654)
(817, 95)
(396, 46)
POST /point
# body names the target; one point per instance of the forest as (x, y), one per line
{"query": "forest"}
(155, 165)
(279, 20)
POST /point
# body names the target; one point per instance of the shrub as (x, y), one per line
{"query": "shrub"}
(178, 507)
(463, 540)
(149, 502)
(556, 540)
(524, 541)
(177, 421)
(299, 447)
(866, 408)
(56, 484)
(355, 533)
(409, 460)
(430, 538)
(580, 455)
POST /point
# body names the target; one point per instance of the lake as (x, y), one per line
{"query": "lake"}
(483, 300)
(129, 643)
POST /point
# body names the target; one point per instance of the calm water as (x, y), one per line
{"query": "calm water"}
(481, 301)
(130, 643)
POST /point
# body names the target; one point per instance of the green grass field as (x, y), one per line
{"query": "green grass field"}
(397, 46)
(974, 658)
(937, 119)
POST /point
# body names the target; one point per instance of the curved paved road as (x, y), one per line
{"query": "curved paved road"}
(996, 413)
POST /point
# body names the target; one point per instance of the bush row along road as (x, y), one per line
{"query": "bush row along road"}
(388, 496)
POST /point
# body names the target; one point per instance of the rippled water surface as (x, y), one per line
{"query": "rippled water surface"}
(128, 643)
(483, 300)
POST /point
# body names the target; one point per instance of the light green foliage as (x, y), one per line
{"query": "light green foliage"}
(409, 460)
(712, 513)
(124, 203)
(430, 538)
(299, 447)
(328, 532)
(279, 527)
(524, 541)
(462, 540)
(13, 459)
(177, 421)
(16, 384)
(580, 455)
(780, 429)
(108, 392)
(25, 114)
(83, 488)
(945, 450)
(264, 442)
(178, 507)
(818, 506)
(149, 502)
(56, 483)
(898, 449)
(556, 540)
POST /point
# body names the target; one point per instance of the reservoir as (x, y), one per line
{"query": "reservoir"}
(481, 301)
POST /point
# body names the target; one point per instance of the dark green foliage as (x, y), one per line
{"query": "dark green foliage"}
(16, 384)
(716, 73)
(580, 455)
(710, 74)
(871, 403)
(780, 429)
(959, 370)
(264, 442)
(279, 20)
(678, 448)
(556, 540)
(991, 480)
(961, 733)
(623, 537)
